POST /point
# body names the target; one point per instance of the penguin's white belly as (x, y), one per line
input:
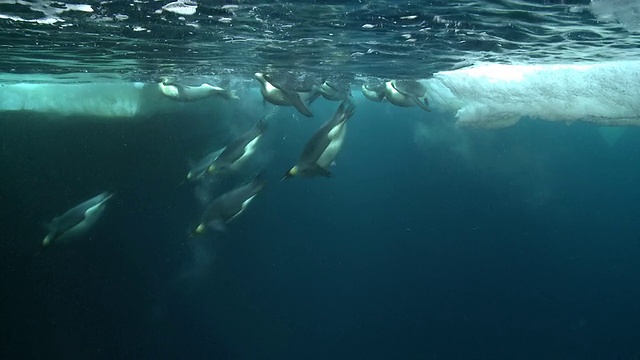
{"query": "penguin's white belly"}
(336, 137)
(91, 216)
(169, 90)
(242, 208)
(198, 92)
(274, 95)
(249, 150)
(74, 232)
(329, 93)
(399, 99)
(246, 203)
(372, 95)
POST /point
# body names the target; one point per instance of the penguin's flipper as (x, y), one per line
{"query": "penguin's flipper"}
(219, 225)
(314, 95)
(226, 94)
(292, 96)
(424, 105)
(320, 171)
(297, 102)
(332, 86)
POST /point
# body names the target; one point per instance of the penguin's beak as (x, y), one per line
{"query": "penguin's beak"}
(292, 172)
(198, 231)
(286, 176)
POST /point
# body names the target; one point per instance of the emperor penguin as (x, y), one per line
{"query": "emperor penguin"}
(406, 93)
(278, 94)
(236, 153)
(374, 92)
(198, 169)
(228, 206)
(324, 145)
(76, 221)
(185, 93)
(332, 91)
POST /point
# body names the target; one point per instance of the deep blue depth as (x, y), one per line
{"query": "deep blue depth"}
(526, 245)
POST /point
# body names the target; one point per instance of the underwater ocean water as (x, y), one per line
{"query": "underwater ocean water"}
(501, 224)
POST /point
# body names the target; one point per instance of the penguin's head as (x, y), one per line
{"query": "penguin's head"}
(222, 167)
(198, 230)
(212, 168)
(292, 172)
(47, 240)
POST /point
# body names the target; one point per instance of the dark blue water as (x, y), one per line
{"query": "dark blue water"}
(523, 246)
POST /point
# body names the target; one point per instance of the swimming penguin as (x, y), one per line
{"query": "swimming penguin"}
(406, 93)
(324, 145)
(236, 153)
(332, 91)
(278, 94)
(228, 206)
(76, 221)
(374, 92)
(198, 169)
(184, 93)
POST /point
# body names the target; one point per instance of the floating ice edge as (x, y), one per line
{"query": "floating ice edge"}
(485, 95)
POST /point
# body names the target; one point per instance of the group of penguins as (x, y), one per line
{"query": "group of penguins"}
(315, 159)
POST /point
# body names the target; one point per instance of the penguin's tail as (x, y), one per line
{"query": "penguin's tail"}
(346, 110)
(228, 95)
(222, 92)
(424, 104)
